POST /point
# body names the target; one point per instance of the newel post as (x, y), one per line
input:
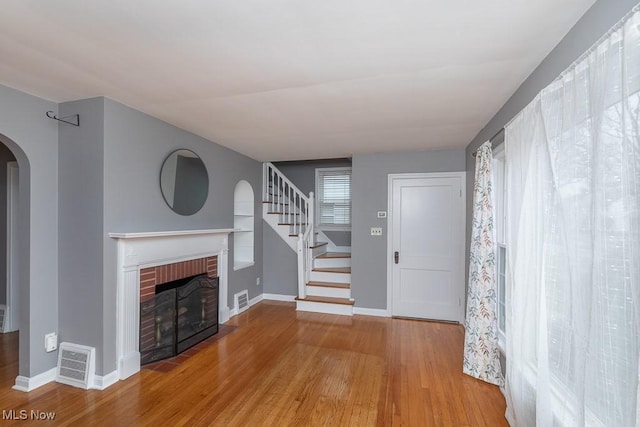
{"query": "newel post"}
(301, 267)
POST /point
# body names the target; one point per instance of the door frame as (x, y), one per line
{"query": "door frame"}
(13, 290)
(462, 221)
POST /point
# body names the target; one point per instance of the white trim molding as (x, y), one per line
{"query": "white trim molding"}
(102, 382)
(279, 297)
(142, 250)
(28, 384)
(253, 301)
(378, 312)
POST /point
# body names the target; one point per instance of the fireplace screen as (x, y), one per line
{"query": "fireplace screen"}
(178, 317)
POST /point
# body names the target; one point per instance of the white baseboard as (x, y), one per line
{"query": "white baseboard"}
(27, 384)
(279, 297)
(253, 301)
(102, 382)
(378, 312)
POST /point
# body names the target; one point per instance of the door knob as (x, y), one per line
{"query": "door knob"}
(396, 256)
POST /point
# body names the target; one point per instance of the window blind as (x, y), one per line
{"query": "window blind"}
(334, 198)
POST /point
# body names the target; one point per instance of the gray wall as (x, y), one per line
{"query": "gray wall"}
(33, 139)
(81, 159)
(135, 146)
(303, 173)
(370, 182)
(5, 157)
(591, 27)
(280, 268)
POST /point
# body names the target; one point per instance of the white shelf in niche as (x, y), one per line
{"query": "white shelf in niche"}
(243, 224)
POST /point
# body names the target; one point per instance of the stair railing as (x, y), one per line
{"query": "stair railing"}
(296, 210)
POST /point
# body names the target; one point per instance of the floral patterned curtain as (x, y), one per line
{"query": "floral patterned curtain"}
(481, 352)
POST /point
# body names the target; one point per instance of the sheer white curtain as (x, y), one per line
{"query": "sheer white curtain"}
(573, 233)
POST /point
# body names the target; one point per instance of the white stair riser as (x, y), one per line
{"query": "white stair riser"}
(319, 250)
(324, 307)
(324, 291)
(331, 262)
(322, 276)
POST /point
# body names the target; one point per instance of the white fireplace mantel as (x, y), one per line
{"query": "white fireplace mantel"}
(150, 249)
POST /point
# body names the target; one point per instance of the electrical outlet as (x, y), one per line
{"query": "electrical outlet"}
(257, 281)
(50, 342)
(376, 231)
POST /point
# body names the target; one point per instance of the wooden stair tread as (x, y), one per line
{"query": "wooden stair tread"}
(317, 245)
(293, 223)
(333, 269)
(330, 300)
(330, 285)
(282, 213)
(276, 203)
(330, 255)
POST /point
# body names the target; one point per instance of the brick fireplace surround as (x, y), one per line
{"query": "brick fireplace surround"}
(152, 276)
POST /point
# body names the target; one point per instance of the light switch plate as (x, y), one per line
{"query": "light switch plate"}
(376, 231)
(382, 214)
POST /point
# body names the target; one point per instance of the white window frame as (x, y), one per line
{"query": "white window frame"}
(500, 221)
(331, 227)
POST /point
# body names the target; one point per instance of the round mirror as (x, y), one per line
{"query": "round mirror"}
(184, 182)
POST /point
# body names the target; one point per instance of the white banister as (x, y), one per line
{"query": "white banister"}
(297, 211)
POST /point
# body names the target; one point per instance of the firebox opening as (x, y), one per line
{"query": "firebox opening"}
(174, 283)
(181, 314)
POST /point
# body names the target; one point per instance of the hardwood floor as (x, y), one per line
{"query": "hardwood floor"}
(282, 367)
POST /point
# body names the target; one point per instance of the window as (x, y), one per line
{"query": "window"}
(499, 199)
(333, 207)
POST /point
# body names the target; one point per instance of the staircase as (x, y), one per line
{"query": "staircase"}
(324, 279)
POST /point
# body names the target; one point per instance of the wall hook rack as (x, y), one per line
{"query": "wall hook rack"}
(52, 115)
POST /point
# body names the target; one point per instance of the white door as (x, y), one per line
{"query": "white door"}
(427, 225)
(13, 291)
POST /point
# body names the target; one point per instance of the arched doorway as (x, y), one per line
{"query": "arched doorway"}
(9, 295)
(14, 243)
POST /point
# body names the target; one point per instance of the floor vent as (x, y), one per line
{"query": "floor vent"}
(3, 317)
(76, 365)
(242, 301)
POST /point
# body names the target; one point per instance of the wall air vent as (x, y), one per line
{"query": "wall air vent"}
(242, 301)
(76, 365)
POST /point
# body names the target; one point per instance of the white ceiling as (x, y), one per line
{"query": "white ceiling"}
(289, 79)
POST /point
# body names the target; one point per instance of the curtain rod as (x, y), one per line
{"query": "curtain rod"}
(490, 140)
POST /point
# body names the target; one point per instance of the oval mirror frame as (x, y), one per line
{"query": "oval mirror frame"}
(184, 182)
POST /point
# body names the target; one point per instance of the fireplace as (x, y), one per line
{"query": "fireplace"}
(148, 259)
(182, 313)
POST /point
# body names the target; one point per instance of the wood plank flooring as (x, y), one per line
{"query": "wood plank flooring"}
(280, 367)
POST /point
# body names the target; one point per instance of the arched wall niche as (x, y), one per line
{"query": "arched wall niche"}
(243, 224)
